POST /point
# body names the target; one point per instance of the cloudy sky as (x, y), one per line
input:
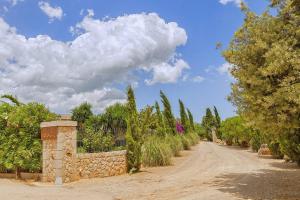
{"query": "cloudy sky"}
(62, 53)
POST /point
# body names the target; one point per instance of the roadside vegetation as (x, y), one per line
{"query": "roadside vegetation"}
(151, 136)
(265, 55)
(20, 144)
(154, 135)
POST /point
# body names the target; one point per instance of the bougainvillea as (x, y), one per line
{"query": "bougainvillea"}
(179, 128)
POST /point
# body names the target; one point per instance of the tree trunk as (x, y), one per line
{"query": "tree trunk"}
(18, 173)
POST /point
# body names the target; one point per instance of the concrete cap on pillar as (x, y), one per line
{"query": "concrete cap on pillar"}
(58, 123)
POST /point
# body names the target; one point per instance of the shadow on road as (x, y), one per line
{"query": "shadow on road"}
(285, 165)
(265, 184)
(235, 148)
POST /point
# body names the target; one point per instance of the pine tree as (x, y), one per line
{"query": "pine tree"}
(191, 119)
(183, 117)
(133, 134)
(168, 115)
(160, 123)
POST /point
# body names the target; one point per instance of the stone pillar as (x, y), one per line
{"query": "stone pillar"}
(59, 151)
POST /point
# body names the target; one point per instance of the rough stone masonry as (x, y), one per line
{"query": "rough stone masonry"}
(62, 164)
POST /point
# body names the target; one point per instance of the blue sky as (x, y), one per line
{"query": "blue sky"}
(202, 84)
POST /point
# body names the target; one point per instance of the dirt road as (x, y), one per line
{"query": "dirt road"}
(208, 172)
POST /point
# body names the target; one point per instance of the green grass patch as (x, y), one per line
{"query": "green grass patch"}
(175, 144)
(156, 151)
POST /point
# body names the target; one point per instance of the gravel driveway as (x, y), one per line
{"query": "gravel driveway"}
(208, 172)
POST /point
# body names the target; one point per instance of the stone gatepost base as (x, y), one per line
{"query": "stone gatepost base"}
(59, 151)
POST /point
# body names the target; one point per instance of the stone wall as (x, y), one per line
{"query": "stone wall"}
(49, 151)
(90, 165)
(62, 164)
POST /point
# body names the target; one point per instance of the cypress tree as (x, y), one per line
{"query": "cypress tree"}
(183, 116)
(208, 122)
(133, 134)
(160, 122)
(191, 119)
(217, 117)
(168, 115)
(217, 122)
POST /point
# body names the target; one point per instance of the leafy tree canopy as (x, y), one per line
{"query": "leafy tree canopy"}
(82, 112)
(265, 53)
(234, 130)
(20, 144)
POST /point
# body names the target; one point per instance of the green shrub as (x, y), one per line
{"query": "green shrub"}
(97, 141)
(290, 146)
(235, 131)
(194, 138)
(120, 148)
(20, 144)
(175, 144)
(186, 142)
(274, 147)
(81, 150)
(256, 141)
(200, 131)
(156, 152)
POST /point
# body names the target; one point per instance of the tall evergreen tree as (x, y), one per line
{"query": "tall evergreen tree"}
(160, 122)
(133, 134)
(145, 116)
(168, 115)
(183, 117)
(191, 120)
(217, 117)
(217, 122)
(208, 123)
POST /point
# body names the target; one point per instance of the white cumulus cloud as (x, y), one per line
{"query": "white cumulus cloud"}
(52, 12)
(167, 72)
(236, 2)
(103, 55)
